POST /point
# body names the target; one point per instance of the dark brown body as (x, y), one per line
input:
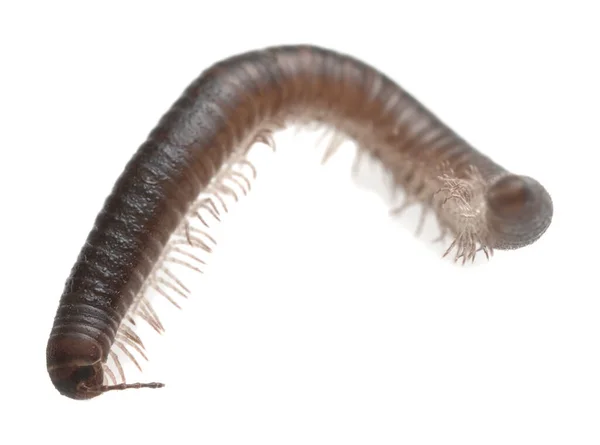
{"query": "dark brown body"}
(220, 110)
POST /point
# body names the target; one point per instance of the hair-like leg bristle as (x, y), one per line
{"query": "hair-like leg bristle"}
(117, 363)
(176, 280)
(119, 344)
(203, 233)
(246, 163)
(246, 184)
(337, 139)
(422, 217)
(357, 163)
(192, 241)
(184, 264)
(208, 205)
(186, 254)
(170, 286)
(148, 314)
(131, 338)
(165, 294)
(110, 375)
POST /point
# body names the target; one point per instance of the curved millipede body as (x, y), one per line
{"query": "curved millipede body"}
(196, 156)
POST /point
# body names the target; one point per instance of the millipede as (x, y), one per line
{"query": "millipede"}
(157, 214)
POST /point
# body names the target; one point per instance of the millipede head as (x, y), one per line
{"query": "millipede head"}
(519, 211)
(75, 368)
(75, 365)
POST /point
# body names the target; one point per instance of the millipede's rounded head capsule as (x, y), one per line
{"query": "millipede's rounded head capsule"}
(519, 211)
(74, 365)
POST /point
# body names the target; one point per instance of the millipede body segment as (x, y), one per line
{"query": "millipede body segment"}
(196, 156)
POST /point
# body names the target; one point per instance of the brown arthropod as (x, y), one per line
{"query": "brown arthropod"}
(196, 156)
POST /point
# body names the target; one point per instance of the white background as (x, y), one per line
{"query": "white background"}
(319, 319)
